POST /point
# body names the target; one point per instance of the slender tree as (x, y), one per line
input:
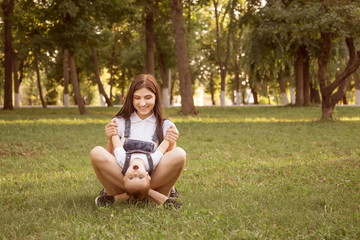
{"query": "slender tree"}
(357, 88)
(165, 82)
(187, 102)
(36, 65)
(79, 100)
(149, 38)
(98, 80)
(237, 80)
(16, 79)
(8, 8)
(66, 98)
(223, 64)
(236, 63)
(299, 75)
(306, 79)
(111, 71)
(281, 81)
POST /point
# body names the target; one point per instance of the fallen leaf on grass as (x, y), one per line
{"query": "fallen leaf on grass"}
(5, 153)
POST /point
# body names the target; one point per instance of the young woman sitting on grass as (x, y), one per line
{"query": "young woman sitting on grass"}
(141, 127)
(136, 173)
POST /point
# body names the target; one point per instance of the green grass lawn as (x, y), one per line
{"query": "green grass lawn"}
(251, 173)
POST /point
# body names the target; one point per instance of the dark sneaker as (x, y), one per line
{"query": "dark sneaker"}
(171, 203)
(174, 193)
(103, 192)
(104, 201)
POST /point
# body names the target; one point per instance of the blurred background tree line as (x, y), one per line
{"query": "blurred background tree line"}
(63, 52)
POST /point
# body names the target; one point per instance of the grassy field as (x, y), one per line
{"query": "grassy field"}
(251, 173)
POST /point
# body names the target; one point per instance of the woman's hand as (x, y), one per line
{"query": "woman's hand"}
(111, 129)
(171, 135)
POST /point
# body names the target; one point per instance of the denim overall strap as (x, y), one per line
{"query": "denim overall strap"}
(126, 164)
(127, 128)
(151, 164)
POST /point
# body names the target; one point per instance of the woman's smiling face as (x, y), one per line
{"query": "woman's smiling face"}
(144, 102)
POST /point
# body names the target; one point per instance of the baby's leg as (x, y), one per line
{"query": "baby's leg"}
(157, 197)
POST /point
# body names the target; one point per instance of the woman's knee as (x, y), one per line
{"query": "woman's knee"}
(179, 155)
(96, 154)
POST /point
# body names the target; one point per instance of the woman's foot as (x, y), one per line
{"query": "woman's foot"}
(171, 203)
(174, 193)
(104, 201)
(103, 192)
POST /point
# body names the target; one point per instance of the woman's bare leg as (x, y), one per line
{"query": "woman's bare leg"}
(107, 170)
(168, 171)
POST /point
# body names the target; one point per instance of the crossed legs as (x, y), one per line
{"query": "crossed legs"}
(163, 179)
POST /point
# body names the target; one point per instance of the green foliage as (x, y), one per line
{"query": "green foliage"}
(266, 36)
(280, 27)
(251, 173)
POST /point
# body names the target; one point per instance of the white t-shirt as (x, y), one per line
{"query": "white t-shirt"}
(120, 156)
(141, 130)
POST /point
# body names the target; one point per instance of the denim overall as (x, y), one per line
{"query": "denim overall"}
(137, 146)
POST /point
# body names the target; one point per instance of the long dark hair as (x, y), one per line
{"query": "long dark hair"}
(144, 81)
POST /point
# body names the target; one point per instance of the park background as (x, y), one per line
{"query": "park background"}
(280, 171)
(232, 52)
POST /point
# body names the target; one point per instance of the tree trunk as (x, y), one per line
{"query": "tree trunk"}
(252, 82)
(237, 80)
(30, 89)
(344, 99)
(357, 89)
(66, 99)
(150, 40)
(187, 102)
(122, 85)
(292, 90)
(306, 78)
(36, 62)
(299, 76)
(314, 94)
(223, 65)
(255, 95)
(16, 80)
(232, 98)
(162, 67)
(8, 7)
(165, 81)
(97, 76)
(212, 89)
(281, 81)
(75, 82)
(166, 92)
(111, 81)
(173, 79)
(341, 82)
(243, 93)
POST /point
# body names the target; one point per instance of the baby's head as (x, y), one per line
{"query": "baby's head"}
(137, 182)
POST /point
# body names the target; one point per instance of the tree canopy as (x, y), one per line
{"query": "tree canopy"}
(269, 47)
